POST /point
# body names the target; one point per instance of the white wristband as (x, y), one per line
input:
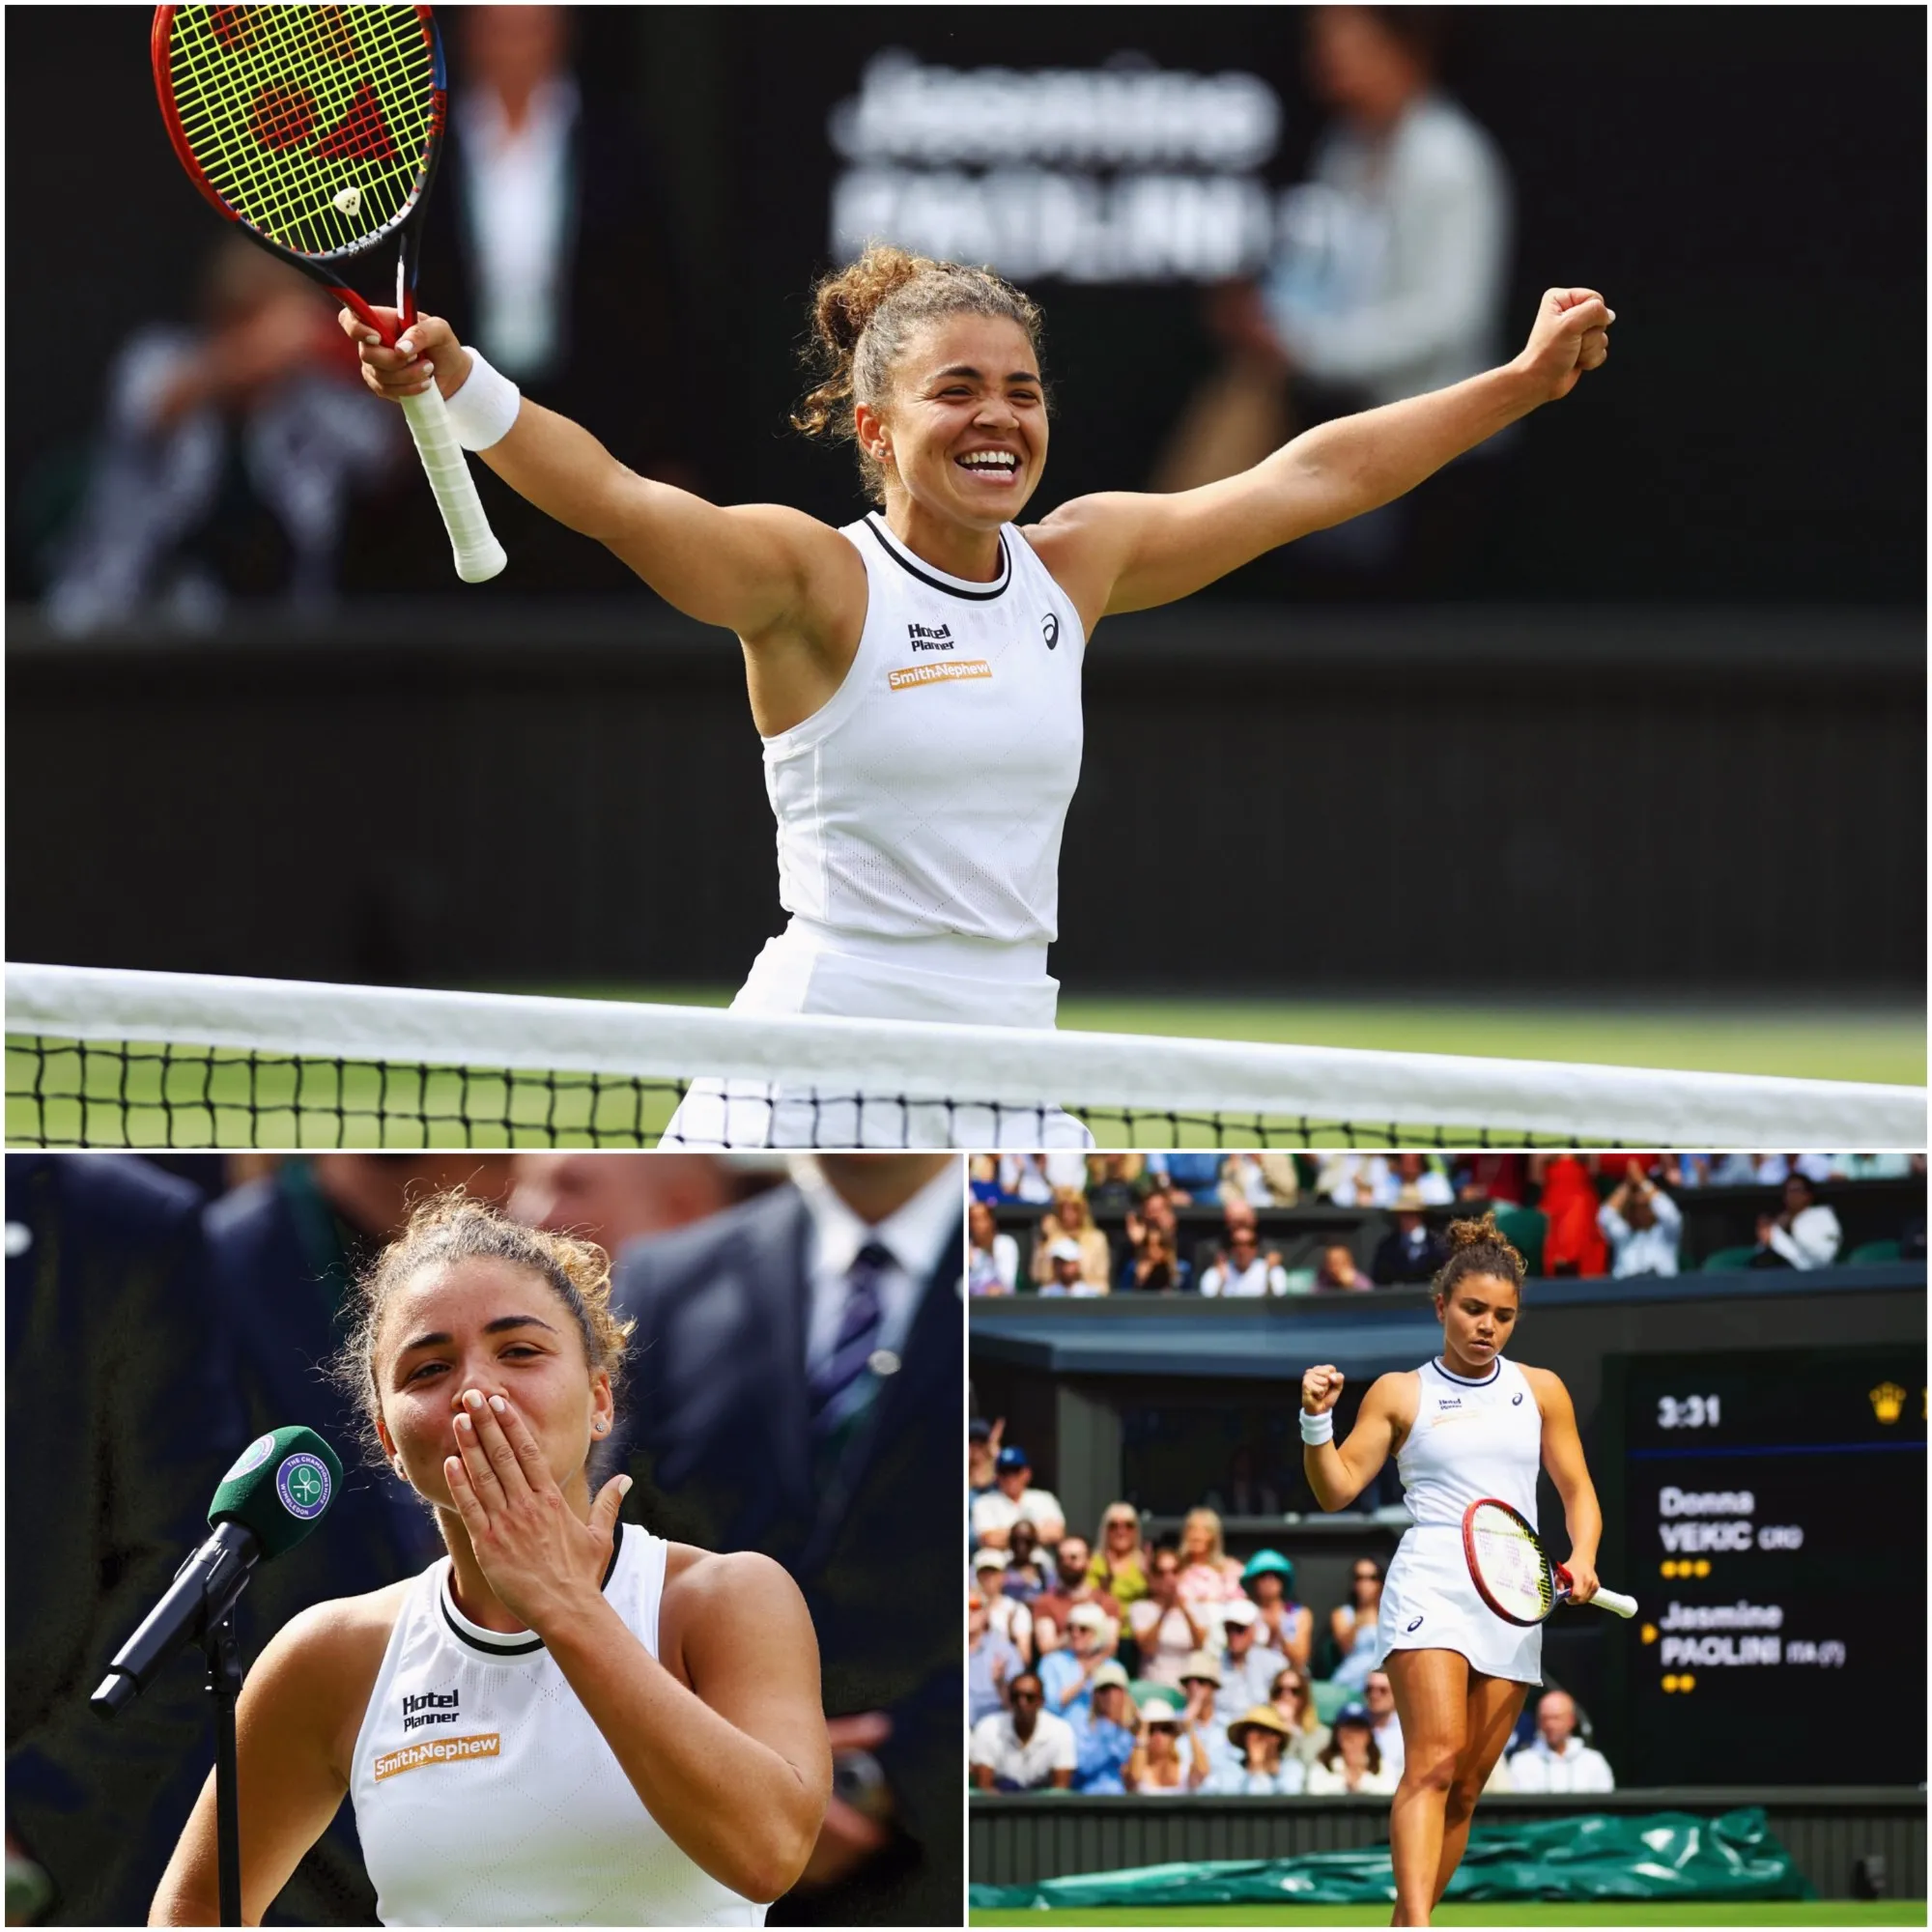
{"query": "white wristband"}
(1316, 1429)
(482, 410)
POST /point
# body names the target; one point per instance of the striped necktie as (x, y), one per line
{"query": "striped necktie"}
(836, 1387)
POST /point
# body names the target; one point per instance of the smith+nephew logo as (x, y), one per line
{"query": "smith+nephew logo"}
(925, 638)
(438, 1750)
(303, 1484)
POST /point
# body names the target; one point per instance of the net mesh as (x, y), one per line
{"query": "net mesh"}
(100, 1058)
(1511, 1563)
(312, 123)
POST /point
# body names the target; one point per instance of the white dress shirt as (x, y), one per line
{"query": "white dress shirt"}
(1576, 1768)
(1032, 1764)
(1651, 1250)
(1258, 1277)
(917, 1237)
(1812, 1239)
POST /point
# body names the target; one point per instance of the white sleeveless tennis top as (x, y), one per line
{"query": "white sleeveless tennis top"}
(926, 796)
(1471, 1439)
(484, 1795)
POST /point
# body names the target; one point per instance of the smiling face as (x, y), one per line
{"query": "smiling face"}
(1477, 1317)
(498, 1327)
(963, 431)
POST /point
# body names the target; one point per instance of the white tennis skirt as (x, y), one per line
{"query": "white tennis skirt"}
(1428, 1602)
(812, 969)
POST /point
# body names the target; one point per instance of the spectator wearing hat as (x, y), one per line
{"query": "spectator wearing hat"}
(1378, 1694)
(1071, 1584)
(1012, 1497)
(992, 1660)
(1107, 1743)
(1285, 1626)
(1351, 1764)
(1066, 1675)
(1066, 1270)
(1559, 1759)
(1247, 1666)
(1413, 1251)
(1026, 1748)
(1070, 1221)
(1200, 1687)
(1289, 1695)
(1169, 1757)
(1336, 1273)
(1262, 1765)
(1010, 1616)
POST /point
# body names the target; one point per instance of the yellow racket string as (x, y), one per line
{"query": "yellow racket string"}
(312, 123)
(1512, 1563)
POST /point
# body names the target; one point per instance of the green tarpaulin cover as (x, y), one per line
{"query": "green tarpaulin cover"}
(1661, 1855)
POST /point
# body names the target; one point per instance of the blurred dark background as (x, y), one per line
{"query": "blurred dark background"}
(1661, 706)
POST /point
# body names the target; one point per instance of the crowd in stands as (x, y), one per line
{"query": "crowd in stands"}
(1119, 1666)
(1110, 1223)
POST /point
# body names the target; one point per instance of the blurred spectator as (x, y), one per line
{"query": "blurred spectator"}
(1263, 1767)
(1423, 1173)
(1351, 1761)
(1244, 1271)
(1012, 1617)
(1291, 1695)
(983, 1449)
(1068, 1271)
(1070, 1223)
(1166, 1628)
(983, 1177)
(1119, 1564)
(993, 1266)
(1261, 1180)
(1025, 1747)
(1287, 1626)
(613, 1199)
(1190, 1177)
(1106, 1745)
(1805, 1235)
(1773, 1169)
(1502, 1178)
(1070, 1586)
(1352, 1626)
(992, 1661)
(1023, 1178)
(1355, 1179)
(1380, 1696)
(1249, 1665)
(1152, 1267)
(1389, 281)
(1066, 1674)
(1574, 1244)
(1245, 1492)
(1414, 1251)
(1208, 1575)
(1642, 1225)
(121, 1419)
(1875, 1166)
(1337, 1273)
(1012, 1497)
(1163, 1765)
(1559, 1759)
(1112, 1181)
(226, 458)
(1024, 1576)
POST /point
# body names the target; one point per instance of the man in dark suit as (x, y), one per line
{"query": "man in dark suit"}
(796, 1389)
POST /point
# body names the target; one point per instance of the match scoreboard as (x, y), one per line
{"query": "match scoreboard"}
(1774, 1535)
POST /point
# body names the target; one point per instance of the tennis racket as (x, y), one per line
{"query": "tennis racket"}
(316, 130)
(1512, 1571)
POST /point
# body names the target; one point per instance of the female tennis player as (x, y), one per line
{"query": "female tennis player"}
(916, 674)
(1467, 1425)
(566, 1721)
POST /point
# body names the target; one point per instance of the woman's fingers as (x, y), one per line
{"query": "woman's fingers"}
(488, 1417)
(526, 1448)
(462, 1493)
(477, 1463)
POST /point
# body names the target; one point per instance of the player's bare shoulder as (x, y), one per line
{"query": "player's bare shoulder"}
(1396, 1396)
(318, 1672)
(1545, 1386)
(826, 568)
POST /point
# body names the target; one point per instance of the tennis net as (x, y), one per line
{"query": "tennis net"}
(98, 1058)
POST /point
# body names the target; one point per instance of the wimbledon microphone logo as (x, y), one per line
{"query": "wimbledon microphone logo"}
(303, 1484)
(253, 1456)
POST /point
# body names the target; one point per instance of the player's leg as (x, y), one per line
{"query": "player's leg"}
(1493, 1705)
(1432, 1700)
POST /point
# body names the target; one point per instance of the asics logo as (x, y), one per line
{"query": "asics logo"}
(1515, 1401)
(1049, 628)
(1415, 1626)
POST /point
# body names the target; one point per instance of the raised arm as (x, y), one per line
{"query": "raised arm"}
(1121, 551)
(1563, 1458)
(754, 568)
(1338, 1473)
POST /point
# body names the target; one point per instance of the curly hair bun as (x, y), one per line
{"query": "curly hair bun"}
(1476, 1234)
(1479, 1246)
(843, 304)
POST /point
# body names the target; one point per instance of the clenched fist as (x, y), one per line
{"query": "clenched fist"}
(1320, 1388)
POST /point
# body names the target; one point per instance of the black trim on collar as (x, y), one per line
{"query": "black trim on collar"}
(952, 590)
(1462, 1381)
(511, 1648)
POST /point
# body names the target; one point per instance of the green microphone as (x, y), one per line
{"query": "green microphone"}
(280, 1488)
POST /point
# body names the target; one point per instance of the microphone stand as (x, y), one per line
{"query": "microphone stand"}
(224, 1686)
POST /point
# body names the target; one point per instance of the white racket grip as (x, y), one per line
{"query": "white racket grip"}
(479, 556)
(1615, 1602)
